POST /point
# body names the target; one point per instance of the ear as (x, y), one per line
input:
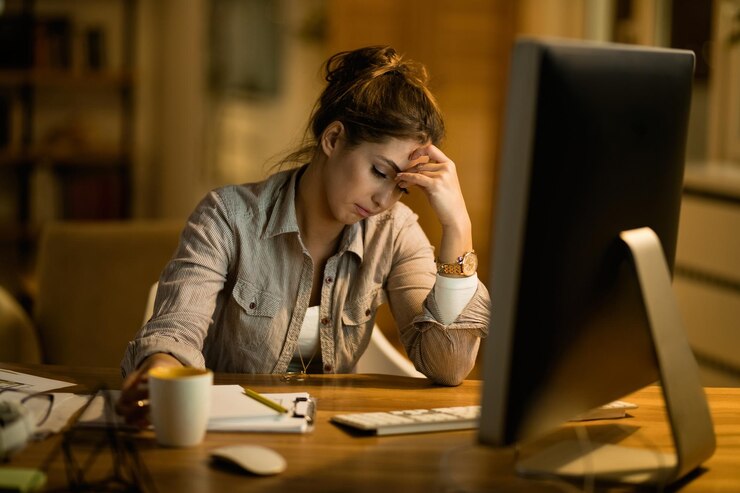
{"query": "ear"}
(331, 136)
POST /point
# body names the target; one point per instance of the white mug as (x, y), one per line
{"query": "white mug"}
(180, 400)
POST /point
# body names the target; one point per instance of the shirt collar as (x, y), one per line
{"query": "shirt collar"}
(352, 239)
(283, 219)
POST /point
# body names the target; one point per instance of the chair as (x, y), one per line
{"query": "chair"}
(379, 357)
(18, 340)
(92, 279)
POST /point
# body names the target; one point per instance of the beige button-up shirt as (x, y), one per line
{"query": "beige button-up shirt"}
(234, 295)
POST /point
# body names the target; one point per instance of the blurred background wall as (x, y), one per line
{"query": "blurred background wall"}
(126, 109)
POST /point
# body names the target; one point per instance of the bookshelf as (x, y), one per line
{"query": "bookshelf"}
(66, 120)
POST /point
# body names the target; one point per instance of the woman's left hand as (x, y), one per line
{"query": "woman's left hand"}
(436, 175)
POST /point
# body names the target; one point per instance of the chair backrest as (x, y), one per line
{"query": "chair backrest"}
(18, 340)
(92, 284)
(379, 357)
(382, 357)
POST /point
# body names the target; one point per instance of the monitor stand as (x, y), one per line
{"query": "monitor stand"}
(685, 401)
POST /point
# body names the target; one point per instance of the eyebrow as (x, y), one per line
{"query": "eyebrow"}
(390, 163)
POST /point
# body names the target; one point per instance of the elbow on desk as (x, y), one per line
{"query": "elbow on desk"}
(449, 367)
(444, 357)
(448, 382)
(450, 377)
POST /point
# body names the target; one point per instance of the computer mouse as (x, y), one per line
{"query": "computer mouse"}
(255, 459)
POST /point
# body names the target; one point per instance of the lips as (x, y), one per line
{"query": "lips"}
(362, 212)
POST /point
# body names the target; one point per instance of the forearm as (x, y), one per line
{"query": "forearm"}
(457, 238)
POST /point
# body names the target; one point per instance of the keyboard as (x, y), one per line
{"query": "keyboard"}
(449, 418)
(412, 420)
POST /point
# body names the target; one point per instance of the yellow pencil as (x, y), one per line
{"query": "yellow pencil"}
(264, 400)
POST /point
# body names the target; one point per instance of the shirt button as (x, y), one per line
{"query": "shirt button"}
(252, 305)
(329, 280)
(367, 312)
(327, 368)
(325, 321)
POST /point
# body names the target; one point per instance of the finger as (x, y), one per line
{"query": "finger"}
(432, 170)
(432, 152)
(135, 413)
(138, 418)
(134, 410)
(135, 379)
(131, 397)
(422, 180)
(430, 167)
(418, 160)
(138, 383)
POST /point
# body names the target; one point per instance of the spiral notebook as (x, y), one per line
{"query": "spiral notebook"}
(232, 411)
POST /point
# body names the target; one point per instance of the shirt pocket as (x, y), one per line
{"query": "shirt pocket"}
(358, 318)
(254, 316)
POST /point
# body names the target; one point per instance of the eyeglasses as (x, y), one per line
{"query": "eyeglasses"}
(39, 404)
(90, 451)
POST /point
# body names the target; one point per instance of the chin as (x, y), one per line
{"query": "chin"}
(348, 217)
(352, 220)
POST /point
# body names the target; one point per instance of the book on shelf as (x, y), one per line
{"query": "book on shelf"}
(11, 122)
(53, 43)
(16, 42)
(92, 195)
(94, 49)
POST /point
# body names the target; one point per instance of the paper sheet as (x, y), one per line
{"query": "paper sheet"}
(20, 386)
(231, 410)
(10, 379)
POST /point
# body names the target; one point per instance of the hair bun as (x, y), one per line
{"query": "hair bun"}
(368, 63)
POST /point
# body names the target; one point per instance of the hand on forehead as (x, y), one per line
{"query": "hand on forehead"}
(425, 154)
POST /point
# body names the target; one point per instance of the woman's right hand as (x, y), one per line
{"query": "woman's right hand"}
(133, 404)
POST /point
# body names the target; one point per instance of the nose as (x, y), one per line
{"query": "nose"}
(386, 196)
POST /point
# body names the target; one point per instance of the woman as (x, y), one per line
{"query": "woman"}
(286, 275)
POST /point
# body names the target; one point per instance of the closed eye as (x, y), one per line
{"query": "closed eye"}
(378, 173)
(383, 176)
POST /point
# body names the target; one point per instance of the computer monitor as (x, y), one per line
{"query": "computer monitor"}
(591, 171)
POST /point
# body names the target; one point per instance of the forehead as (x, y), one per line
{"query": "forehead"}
(392, 151)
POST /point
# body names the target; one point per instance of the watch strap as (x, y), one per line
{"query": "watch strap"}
(455, 268)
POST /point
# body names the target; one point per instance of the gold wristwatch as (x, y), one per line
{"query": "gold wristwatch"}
(465, 265)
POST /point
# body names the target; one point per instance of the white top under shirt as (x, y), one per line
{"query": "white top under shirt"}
(452, 294)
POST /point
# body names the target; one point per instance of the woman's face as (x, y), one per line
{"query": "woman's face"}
(360, 180)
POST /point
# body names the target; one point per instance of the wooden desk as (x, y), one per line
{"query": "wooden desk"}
(332, 460)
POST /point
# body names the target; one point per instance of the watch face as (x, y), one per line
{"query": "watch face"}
(469, 264)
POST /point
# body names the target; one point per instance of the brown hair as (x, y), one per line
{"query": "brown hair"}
(375, 94)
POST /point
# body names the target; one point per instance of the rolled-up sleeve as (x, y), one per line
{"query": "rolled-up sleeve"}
(188, 289)
(446, 353)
